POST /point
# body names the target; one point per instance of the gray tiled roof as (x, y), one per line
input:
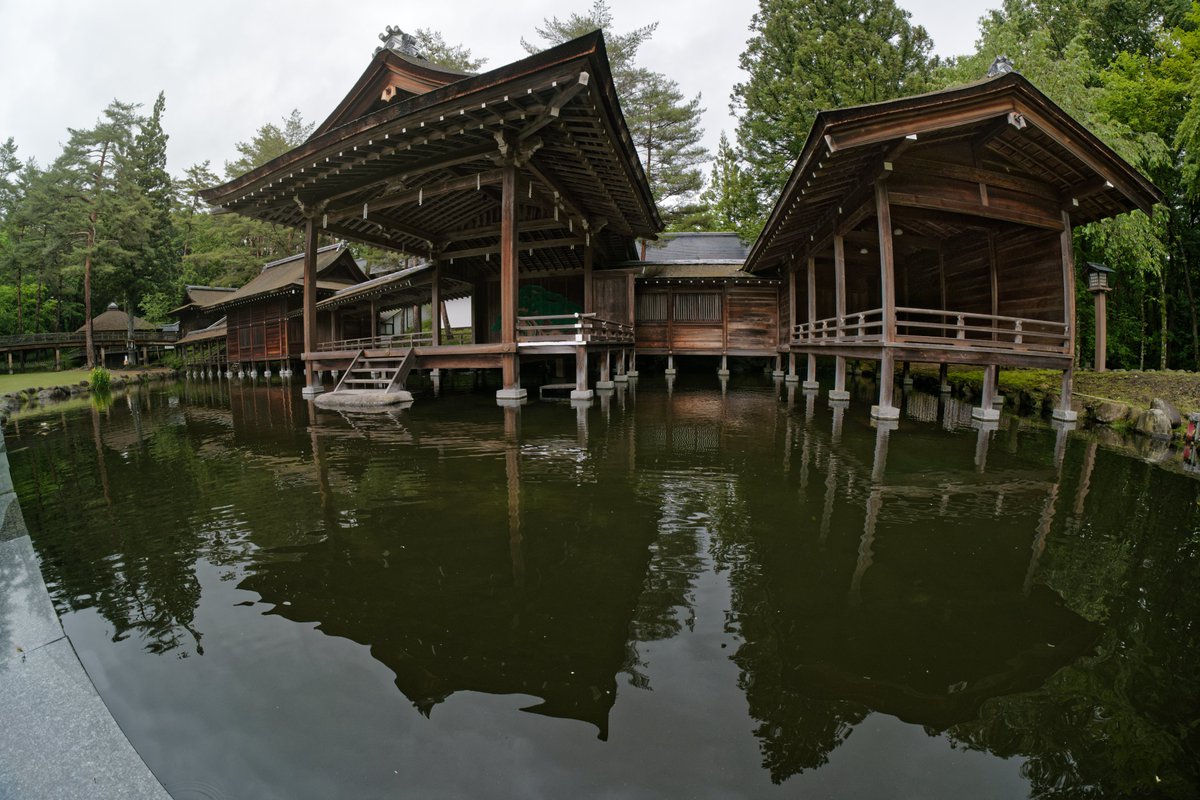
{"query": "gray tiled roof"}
(702, 247)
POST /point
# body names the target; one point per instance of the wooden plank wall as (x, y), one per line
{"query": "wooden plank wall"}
(968, 279)
(752, 319)
(611, 293)
(1029, 272)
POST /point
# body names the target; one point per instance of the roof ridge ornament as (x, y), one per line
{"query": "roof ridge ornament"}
(398, 41)
(1001, 66)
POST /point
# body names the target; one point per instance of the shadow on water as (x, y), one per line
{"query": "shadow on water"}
(1013, 590)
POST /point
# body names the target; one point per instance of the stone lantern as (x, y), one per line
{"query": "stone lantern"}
(1097, 284)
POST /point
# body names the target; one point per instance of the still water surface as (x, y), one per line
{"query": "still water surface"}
(672, 593)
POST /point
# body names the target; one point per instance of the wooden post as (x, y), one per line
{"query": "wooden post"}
(984, 411)
(57, 359)
(1066, 245)
(1101, 330)
(311, 386)
(606, 381)
(905, 371)
(1064, 412)
(509, 284)
(810, 381)
(374, 312)
(581, 392)
(588, 300)
(670, 370)
(887, 267)
(435, 301)
(632, 371)
(944, 377)
(621, 377)
(10, 364)
(884, 409)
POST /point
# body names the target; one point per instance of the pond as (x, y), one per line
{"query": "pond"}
(679, 590)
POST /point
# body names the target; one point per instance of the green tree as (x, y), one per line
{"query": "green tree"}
(729, 195)
(433, 48)
(804, 56)
(268, 142)
(664, 124)
(97, 208)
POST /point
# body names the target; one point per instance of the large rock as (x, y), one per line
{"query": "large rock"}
(1169, 409)
(1155, 424)
(1109, 412)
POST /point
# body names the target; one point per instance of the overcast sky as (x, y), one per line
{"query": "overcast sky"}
(229, 66)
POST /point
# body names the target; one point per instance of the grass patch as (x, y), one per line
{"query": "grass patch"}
(1037, 386)
(42, 380)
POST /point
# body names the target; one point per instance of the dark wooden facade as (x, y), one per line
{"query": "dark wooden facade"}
(937, 228)
(520, 176)
(264, 319)
(712, 317)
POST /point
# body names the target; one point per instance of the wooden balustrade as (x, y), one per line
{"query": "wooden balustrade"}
(572, 328)
(935, 326)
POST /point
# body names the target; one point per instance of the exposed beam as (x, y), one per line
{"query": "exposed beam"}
(494, 230)
(555, 106)
(419, 195)
(936, 203)
(402, 173)
(920, 167)
(571, 241)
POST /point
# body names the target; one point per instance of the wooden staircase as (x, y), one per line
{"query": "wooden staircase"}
(376, 374)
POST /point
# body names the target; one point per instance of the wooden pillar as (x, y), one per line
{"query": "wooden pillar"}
(57, 359)
(791, 377)
(621, 376)
(311, 385)
(887, 266)
(588, 300)
(1101, 330)
(670, 370)
(10, 364)
(509, 284)
(1063, 412)
(1066, 245)
(839, 297)
(435, 302)
(905, 371)
(374, 312)
(984, 410)
(581, 392)
(810, 381)
(944, 377)
(884, 409)
(606, 381)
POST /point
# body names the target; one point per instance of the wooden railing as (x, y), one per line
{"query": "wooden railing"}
(573, 329)
(934, 326)
(399, 341)
(925, 325)
(98, 337)
(861, 326)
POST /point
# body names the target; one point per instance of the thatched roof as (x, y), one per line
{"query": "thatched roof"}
(114, 319)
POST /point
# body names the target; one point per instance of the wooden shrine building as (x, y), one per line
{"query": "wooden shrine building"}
(524, 176)
(937, 228)
(197, 310)
(262, 322)
(693, 298)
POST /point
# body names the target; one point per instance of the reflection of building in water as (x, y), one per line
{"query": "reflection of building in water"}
(498, 594)
(910, 591)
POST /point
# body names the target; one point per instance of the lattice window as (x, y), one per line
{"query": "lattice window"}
(697, 307)
(652, 307)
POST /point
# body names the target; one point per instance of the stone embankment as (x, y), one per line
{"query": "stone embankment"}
(15, 401)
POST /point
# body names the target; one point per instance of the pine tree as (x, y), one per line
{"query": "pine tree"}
(664, 125)
(729, 195)
(809, 55)
(95, 206)
(433, 48)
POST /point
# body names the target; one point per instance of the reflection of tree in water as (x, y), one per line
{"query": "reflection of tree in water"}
(1122, 722)
(126, 503)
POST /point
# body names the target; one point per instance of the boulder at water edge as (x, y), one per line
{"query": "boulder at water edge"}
(1165, 406)
(1154, 423)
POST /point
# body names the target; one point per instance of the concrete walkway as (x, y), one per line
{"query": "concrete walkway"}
(57, 739)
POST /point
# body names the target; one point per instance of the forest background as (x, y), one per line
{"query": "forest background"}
(106, 221)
